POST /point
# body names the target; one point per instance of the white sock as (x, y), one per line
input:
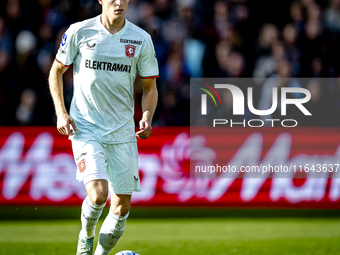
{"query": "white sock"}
(90, 214)
(110, 232)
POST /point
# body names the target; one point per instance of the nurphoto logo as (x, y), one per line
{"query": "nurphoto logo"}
(238, 105)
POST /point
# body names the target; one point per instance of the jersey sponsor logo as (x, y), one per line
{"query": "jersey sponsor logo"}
(90, 47)
(107, 66)
(130, 51)
(81, 166)
(63, 40)
(131, 41)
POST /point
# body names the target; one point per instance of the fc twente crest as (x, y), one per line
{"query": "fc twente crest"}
(130, 51)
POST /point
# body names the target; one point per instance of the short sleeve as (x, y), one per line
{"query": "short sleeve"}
(68, 49)
(147, 62)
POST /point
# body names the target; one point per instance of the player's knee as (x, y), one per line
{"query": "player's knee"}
(120, 204)
(98, 198)
(97, 191)
(121, 210)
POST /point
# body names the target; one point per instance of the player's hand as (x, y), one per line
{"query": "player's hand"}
(63, 125)
(145, 129)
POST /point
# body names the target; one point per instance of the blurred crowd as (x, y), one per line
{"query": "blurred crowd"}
(192, 38)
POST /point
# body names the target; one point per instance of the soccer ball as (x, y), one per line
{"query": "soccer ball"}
(127, 253)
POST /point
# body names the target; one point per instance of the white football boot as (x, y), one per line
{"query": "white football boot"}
(85, 246)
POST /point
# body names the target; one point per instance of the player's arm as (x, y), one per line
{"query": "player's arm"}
(149, 103)
(56, 88)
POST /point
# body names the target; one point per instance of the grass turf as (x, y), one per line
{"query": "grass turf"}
(182, 236)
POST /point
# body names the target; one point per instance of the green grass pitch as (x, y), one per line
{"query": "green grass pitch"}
(182, 236)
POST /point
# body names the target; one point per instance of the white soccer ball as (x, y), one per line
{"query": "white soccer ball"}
(127, 253)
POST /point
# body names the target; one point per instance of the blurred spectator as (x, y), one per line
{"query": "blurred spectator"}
(220, 16)
(222, 52)
(235, 65)
(133, 10)
(305, 3)
(279, 80)
(193, 56)
(316, 68)
(25, 43)
(145, 11)
(313, 12)
(153, 26)
(296, 16)
(14, 20)
(311, 43)
(266, 65)
(163, 8)
(332, 16)
(8, 88)
(5, 41)
(268, 35)
(25, 111)
(293, 53)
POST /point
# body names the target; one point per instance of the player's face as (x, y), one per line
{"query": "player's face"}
(114, 8)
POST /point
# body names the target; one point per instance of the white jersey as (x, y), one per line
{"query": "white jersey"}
(104, 70)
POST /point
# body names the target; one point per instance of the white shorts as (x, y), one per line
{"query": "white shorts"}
(116, 163)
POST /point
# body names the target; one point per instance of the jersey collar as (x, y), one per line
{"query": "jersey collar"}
(107, 31)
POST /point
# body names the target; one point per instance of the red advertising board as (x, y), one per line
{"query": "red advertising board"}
(37, 168)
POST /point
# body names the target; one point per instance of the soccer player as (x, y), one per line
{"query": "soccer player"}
(106, 52)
